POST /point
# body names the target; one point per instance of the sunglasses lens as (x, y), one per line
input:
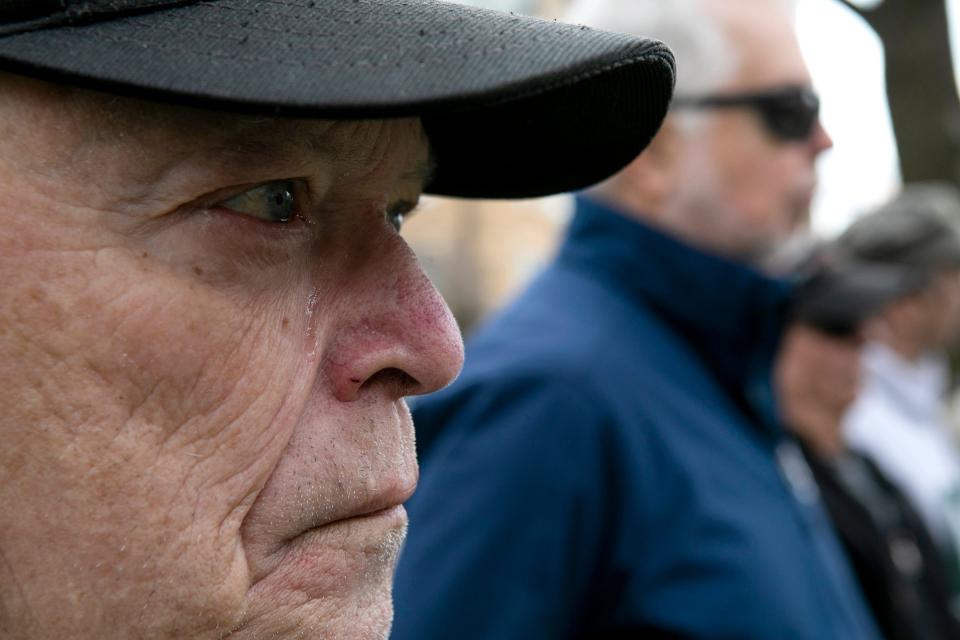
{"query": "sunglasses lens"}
(789, 113)
(790, 117)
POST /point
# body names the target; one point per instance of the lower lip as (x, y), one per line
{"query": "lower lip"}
(395, 513)
(364, 525)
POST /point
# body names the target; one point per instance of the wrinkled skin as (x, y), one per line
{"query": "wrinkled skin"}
(199, 404)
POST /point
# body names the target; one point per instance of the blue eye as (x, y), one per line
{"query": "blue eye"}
(272, 202)
(395, 218)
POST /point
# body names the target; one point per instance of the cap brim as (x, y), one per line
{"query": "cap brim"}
(513, 106)
(839, 300)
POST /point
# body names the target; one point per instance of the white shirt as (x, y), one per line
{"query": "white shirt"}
(900, 420)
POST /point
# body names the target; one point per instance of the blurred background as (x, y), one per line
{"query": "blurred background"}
(886, 74)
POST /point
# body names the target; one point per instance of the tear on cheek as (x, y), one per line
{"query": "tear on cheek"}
(311, 318)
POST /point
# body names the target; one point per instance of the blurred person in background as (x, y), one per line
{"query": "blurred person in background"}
(900, 418)
(611, 463)
(912, 248)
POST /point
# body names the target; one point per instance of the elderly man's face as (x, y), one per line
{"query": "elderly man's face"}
(207, 327)
(750, 189)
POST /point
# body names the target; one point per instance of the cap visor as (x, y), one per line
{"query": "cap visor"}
(513, 106)
(838, 302)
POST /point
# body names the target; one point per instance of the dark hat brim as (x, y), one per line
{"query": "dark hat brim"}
(513, 106)
(839, 299)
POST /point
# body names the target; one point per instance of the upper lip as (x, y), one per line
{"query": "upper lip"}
(382, 489)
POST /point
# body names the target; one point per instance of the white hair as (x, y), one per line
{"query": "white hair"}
(705, 56)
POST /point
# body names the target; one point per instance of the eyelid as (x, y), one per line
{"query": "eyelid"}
(403, 207)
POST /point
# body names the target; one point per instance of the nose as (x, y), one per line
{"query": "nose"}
(819, 140)
(399, 337)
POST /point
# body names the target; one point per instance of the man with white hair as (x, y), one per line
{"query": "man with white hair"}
(612, 462)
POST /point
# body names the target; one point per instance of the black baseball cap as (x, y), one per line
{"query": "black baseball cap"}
(513, 106)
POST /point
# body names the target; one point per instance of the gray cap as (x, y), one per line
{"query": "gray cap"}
(918, 229)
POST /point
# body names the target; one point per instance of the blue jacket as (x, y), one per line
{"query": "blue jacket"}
(610, 463)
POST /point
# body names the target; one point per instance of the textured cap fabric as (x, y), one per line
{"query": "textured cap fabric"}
(513, 106)
(919, 229)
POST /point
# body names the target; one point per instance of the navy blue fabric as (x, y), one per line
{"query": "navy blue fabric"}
(610, 463)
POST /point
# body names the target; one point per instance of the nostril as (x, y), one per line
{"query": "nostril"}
(396, 382)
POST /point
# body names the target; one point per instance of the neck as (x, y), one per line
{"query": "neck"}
(650, 208)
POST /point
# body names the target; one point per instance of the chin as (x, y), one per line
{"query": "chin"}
(333, 583)
(366, 617)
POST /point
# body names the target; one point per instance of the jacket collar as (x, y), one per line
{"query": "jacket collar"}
(731, 315)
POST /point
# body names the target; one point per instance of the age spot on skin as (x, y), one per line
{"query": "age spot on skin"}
(197, 270)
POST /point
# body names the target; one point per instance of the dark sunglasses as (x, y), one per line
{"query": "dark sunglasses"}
(789, 113)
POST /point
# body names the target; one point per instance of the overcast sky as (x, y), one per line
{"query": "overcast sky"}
(846, 61)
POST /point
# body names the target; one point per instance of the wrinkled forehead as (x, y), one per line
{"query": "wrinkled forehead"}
(66, 125)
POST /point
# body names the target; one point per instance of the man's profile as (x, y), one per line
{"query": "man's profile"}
(209, 320)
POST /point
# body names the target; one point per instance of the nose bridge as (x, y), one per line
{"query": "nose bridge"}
(395, 323)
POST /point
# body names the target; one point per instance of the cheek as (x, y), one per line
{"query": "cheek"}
(136, 394)
(114, 329)
(753, 183)
(761, 180)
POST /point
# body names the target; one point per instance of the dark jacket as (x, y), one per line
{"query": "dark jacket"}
(609, 463)
(896, 561)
